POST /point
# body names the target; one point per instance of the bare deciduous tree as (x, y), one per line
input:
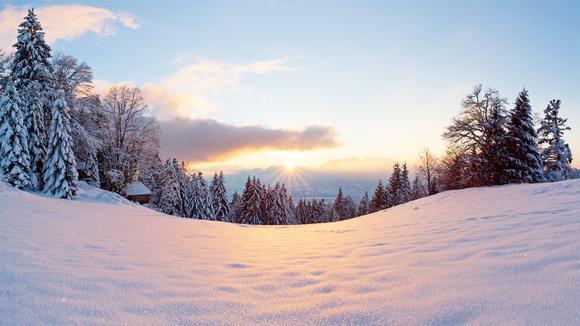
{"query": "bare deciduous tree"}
(133, 134)
(428, 169)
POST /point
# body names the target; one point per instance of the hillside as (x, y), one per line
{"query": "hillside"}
(497, 255)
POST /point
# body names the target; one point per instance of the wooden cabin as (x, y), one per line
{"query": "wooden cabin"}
(137, 192)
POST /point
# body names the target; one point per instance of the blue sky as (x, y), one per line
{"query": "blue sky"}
(386, 75)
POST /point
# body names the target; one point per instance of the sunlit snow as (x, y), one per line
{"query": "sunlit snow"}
(498, 255)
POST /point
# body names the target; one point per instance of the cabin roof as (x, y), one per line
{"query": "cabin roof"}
(136, 188)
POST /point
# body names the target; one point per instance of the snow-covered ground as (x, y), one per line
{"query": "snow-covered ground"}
(498, 255)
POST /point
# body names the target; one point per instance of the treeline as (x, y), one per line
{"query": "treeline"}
(491, 145)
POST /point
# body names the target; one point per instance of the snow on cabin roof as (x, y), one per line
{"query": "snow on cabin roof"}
(137, 188)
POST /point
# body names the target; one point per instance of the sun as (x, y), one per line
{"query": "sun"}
(289, 166)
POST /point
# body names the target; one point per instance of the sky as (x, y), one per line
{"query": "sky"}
(261, 83)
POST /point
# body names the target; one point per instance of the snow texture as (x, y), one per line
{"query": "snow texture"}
(499, 255)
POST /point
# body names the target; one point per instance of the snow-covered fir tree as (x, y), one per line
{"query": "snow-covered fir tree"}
(491, 162)
(32, 75)
(182, 180)
(192, 201)
(292, 219)
(555, 152)
(379, 198)
(76, 80)
(287, 204)
(267, 205)
(302, 212)
(85, 154)
(170, 201)
(321, 210)
(14, 157)
(279, 211)
(37, 137)
(235, 207)
(202, 204)
(60, 173)
(394, 191)
(417, 190)
(208, 211)
(405, 185)
(188, 196)
(311, 211)
(263, 199)
(219, 198)
(363, 206)
(523, 158)
(351, 207)
(251, 211)
(343, 207)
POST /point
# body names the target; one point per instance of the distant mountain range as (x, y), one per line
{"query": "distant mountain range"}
(355, 176)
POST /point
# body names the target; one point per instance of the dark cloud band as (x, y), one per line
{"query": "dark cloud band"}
(210, 140)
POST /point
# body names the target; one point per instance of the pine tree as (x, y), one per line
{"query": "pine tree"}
(491, 163)
(267, 205)
(92, 169)
(14, 156)
(556, 154)
(85, 150)
(523, 157)
(405, 185)
(395, 186)
(170, 201)
(203, 200)
(188, 196)
(343, 207)
(235, 208)
(280, 209)
(32, 75)
(219, 198)
(195, 205)
(379, 198)
(363, 206)
(321, 212)
(418, 190)
(312, 211)
(60, 173)
(350, 207)
(262, 195)
(251, 211)
(292, 219)
(179, 175)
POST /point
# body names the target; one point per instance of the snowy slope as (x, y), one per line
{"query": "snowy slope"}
(497, 255)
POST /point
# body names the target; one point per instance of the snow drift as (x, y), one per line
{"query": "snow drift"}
(497, 255)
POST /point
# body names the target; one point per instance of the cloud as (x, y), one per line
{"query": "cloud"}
(204, 140)
(64, 22)
(191, 91)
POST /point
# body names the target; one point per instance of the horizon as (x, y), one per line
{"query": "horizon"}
(308, 93)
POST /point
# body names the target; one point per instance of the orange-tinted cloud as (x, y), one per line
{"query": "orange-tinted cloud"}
(210, 140)
(64, 22)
